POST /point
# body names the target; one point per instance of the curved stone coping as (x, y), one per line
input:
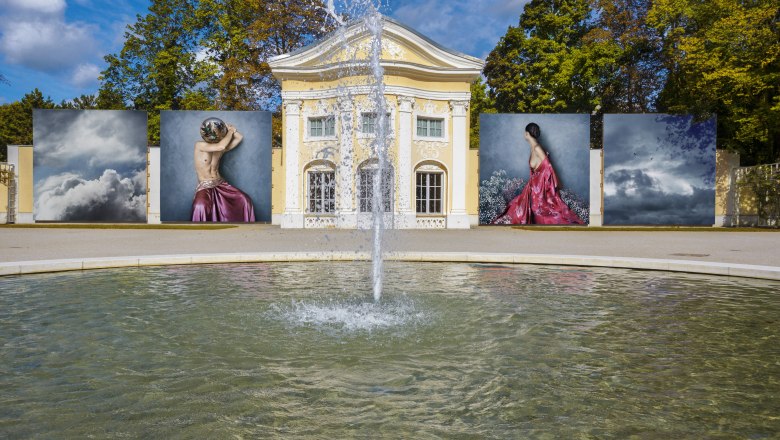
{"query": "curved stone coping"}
(700, 267)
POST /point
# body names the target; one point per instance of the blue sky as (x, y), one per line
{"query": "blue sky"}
(58, 45)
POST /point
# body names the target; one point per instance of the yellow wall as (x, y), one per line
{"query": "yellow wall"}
(277, 181)
(472, 190)
(25, 180)
(725, 161)
(3, 198)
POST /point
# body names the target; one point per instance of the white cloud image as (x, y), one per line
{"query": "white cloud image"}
(111, 197)
(89, 140)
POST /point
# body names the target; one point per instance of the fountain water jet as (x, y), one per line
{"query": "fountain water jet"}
(372, 19)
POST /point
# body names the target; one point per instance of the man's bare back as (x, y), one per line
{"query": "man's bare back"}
(207, 156)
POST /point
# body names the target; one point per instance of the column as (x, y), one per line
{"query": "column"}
(293, 215)
(458, 217)
(153, 186)
(596, 188)
(406, 218)
(346, 210)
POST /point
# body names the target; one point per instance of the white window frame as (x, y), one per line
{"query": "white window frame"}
(428, 171)
(325, 201)
(428, 127)
(445, 126)
(388, 202)
(308, 136)
(390, 123)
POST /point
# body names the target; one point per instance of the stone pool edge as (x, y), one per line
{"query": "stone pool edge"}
(688, 266)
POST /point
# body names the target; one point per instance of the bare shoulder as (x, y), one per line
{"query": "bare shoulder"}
(199, 145)
(539, 151)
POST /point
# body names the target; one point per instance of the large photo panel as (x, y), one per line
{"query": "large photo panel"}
(557, 192)
(89, 165)
(659, 169)
(188, 191)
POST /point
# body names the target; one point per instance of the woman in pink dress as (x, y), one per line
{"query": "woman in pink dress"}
(539, 202)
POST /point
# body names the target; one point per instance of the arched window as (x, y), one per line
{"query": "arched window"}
(321, 188)
(366, 174)
(430, 180)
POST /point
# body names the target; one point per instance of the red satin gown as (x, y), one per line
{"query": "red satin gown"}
(539, 203)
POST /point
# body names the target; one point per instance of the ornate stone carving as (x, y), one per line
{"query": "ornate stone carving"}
(320, 222)
(406, 104)
(293, 106)
(430, 149)
(459, 108)
(389, 47)
(431, 222)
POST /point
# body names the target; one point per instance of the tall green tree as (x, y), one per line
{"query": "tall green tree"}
(723, 58)
(537, 65)
(158, 63)
(83, 102)
(480, 103)
(17, 120)
(623, 53)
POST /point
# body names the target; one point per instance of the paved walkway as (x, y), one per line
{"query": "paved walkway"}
(703, 249)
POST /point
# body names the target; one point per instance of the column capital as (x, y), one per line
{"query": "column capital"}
(292, 106)
(459, 108)
(345, 103)
(406, 104)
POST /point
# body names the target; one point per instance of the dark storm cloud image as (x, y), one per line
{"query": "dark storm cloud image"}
(659, 170)
(247, 167)
(89, 165)
(504, 153)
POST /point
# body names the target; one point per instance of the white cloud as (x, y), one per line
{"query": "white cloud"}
(85, 75)
(36, 35)
(33, 6)
(93, 140)
(111, 197)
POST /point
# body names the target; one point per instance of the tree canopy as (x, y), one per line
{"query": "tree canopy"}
(720, 57)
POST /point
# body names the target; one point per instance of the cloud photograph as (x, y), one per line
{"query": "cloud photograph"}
(659, 170)
(89, 165)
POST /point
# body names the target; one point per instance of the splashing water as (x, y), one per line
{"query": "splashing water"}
(351, 316)
(369, 13)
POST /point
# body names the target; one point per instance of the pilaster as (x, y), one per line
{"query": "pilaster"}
(458, 217)
(293, 215)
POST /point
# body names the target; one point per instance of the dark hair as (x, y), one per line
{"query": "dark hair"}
(533, 130)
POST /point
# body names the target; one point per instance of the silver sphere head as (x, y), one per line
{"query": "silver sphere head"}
(212, 130)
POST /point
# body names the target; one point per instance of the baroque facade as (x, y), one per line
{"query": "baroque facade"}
(326, 166)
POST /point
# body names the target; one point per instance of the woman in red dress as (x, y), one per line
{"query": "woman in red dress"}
(539, 203)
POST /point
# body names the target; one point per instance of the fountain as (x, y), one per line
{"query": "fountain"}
(453, 350)
(368, 12)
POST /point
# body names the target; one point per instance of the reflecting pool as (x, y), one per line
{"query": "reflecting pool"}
(451, 351)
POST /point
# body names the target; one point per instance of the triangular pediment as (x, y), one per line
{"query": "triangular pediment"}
(405, 52)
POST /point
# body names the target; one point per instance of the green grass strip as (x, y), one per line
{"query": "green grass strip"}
(116, 226)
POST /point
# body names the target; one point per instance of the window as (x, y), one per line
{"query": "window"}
(429, 127)
(324, 126)
(429, 193)
(366, 189)
(322, 192)
(368, 123)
